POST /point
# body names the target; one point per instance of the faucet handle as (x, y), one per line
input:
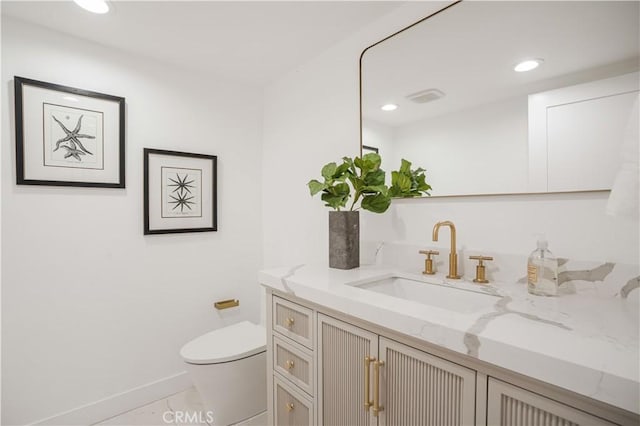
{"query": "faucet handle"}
(428, 262)
(480, 269)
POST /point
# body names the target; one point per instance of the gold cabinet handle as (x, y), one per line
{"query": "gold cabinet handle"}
(290, 322)
(376, 388)
(290, 364)
(367, 362)
(290, 406)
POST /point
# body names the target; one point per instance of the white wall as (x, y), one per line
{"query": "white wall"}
(90, 306)
(311, 117)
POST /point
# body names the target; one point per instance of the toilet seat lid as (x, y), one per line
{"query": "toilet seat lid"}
(226, 344)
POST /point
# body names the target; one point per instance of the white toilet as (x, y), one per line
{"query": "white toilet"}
(228, 366)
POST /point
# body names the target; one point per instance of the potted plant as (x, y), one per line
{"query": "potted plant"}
(360, 180)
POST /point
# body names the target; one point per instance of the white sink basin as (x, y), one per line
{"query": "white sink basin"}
(440, 296)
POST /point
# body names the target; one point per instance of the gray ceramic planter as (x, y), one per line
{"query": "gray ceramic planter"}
(344, 239)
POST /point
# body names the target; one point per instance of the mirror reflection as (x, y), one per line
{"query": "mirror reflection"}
(508, 97)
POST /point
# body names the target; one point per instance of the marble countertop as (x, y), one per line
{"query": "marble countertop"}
(586, 342)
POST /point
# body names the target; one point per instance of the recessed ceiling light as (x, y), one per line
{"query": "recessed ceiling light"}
(389, 107)
(528, 65)
(95, 6)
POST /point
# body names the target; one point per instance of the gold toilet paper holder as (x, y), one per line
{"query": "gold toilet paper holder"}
(226, 304)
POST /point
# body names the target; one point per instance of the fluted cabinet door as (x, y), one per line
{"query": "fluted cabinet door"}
(421, 389)
(509, 405)
(341, 352)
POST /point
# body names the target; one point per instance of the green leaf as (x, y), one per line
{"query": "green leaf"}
(374, 178)
(373, 159)
(417, 171)
(400, 181)
(368, 163)
(349, 161)
(334, 201)
(421, 184)
(408, 183)
(340, 171)
(378, 203)
(336, 196)
(315, 186)
(340, 189)
(329, 170)
(356, 182)
(375, 189)
(405, 166)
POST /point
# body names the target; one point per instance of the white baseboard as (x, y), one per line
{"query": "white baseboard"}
(120, 403)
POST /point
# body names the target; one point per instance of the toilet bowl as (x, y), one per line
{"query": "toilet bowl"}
(228, 366)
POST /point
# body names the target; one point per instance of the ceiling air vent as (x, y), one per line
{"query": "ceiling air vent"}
(424, 96)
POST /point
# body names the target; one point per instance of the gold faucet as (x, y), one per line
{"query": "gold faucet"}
(453, 256)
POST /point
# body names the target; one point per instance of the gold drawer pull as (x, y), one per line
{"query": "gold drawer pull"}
(376, 390)
(367, 363)
(289, 364)
(290, 406)
(290, 322)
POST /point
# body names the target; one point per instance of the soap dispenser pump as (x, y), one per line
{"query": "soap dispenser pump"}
(542, 270)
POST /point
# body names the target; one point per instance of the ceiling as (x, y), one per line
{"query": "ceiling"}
(468, 52)
(248, 42)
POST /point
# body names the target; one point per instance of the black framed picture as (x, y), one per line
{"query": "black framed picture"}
(180, 192)
(67, 136)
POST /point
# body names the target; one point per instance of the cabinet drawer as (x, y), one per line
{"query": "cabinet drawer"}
(293, 321)
(508, 405)
(291, 407)
(294, 363)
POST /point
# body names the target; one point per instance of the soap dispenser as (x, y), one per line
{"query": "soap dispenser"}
(542, 270)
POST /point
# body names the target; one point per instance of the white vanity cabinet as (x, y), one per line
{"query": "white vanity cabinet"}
(326, 370)
(367, 379)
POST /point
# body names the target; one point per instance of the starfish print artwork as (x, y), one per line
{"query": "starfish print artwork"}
(181, 192)
(73, 152)
(75, 148)
(181, 184)
(182, 200)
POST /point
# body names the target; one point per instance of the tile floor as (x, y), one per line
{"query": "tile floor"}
(162, 413)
